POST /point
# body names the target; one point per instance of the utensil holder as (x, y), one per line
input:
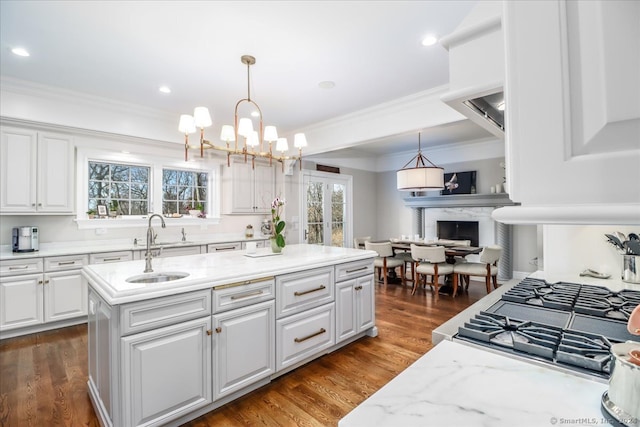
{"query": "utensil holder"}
(631, 268)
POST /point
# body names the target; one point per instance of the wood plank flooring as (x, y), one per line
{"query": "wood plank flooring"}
(43, 376)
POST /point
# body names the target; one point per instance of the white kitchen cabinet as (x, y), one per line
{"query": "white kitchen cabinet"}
(247, 189)
(65, 290)
(104, 257)
(355, 298)
(573, 116)
(297, 292)
(223, 247)
(355, 307)
(37, 172)
(21, 300)
(99, 336)
(305, 335)
(244, 347)
(29, 300)
(166, 372)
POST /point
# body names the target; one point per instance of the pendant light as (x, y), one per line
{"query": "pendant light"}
(420, 177)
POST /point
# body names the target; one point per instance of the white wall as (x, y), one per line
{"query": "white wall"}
(573, 248)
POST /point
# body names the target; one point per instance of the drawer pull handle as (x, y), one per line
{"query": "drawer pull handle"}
(247, 295)
(320, 332)
(228, 248)
(67, 263)
(22, 267)
(357, 269)
(111, 259)
(309, 291)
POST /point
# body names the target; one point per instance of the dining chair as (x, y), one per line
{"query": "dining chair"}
(358, 242)
(431, 260)
(385, 259)
(487, 268)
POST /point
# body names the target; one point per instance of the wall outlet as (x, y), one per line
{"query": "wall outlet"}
(101, 231)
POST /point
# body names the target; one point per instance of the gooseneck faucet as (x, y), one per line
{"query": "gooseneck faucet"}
(148, 256)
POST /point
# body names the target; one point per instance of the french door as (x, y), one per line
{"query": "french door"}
(327, 203)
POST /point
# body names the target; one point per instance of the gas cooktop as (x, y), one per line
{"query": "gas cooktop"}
(565, 324)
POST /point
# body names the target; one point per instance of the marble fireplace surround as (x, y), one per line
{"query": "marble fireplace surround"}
(427, 211)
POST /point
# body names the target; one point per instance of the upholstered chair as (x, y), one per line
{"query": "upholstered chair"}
(487, 268)
(385, 259)
(358, 242)
(431, 260)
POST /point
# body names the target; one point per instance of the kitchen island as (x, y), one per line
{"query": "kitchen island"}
(163, 353)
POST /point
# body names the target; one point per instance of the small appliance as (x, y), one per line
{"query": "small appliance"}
(25, 239)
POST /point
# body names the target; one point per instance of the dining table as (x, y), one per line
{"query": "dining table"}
(451, 251)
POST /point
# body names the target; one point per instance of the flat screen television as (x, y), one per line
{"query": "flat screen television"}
(459, 183)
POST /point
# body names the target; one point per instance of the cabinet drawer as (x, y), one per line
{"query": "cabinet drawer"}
(297, 292)
(354, 269)
(304, 335)
(152, 314)
(185, 250)
(70, 262)
(242, 294)
(104, 257)
(16, 267)
(259, 244)
(224, 247)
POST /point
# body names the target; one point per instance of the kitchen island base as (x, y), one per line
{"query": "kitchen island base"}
(170, 358)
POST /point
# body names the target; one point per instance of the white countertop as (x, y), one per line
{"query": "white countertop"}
(113, 245)
(459, 385)
(210, 270)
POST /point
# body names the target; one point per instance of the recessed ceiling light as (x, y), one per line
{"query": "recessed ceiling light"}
(20, 51)
(164, 89)
(327, 84)
(429, 40)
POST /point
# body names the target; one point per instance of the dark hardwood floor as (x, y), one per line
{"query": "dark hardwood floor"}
(43, 376)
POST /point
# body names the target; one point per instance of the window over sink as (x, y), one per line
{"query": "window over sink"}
(137, 185)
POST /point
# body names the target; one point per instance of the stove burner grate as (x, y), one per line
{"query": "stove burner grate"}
(537, 292)
(585, 350)
(601, 302)
(523, 336)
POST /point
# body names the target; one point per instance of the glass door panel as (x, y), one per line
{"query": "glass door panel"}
(326, 200)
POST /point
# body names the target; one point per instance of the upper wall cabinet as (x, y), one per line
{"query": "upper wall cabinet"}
(37, 172)
(247, 188)
(573, 105)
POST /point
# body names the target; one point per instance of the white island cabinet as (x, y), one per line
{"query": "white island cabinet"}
(165, 353)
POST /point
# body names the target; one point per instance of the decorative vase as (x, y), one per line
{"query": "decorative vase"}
(274, 246)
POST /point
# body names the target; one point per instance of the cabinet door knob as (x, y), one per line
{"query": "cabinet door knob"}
(209, 332)
(218, 329)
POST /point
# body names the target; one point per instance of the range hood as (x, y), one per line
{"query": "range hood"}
(482, 105)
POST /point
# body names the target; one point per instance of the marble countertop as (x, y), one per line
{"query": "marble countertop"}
(458, 385)
(211, 270)
(113, 245)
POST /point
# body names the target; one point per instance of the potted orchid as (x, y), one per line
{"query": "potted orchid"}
(277, 238)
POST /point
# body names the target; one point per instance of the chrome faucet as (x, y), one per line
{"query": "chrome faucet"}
(150, 238)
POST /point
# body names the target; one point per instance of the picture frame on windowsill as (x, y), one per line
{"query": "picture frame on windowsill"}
(102, 210)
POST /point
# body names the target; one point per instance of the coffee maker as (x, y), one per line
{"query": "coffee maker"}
(25, 239)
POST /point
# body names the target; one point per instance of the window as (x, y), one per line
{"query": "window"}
(123, 188)
(183, 190)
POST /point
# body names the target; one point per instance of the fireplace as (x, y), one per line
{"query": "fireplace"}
(459, 230)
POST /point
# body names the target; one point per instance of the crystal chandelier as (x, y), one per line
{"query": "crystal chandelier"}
(254, 140)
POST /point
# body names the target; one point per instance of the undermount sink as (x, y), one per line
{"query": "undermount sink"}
(157, 277)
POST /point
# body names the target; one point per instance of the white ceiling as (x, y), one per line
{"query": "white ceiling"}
(124, 50)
